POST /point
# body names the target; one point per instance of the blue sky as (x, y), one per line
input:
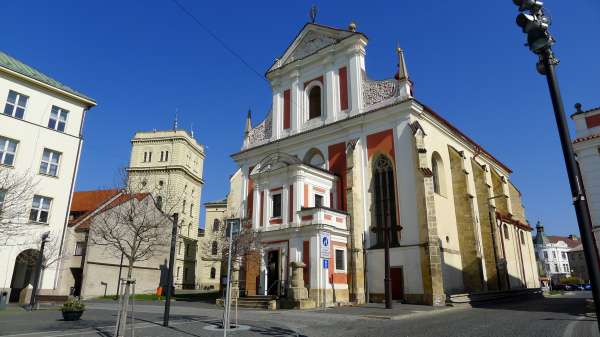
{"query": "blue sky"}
(142, 60)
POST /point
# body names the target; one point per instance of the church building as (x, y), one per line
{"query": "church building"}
(343, 156)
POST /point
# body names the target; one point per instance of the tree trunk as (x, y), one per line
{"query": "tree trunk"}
(122, 324)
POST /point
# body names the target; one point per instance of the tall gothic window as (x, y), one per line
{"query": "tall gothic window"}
(384, 202)
(314, 102)
(437, 170)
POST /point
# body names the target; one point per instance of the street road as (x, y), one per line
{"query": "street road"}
(559, 316)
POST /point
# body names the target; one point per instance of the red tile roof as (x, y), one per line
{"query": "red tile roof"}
(85, 225)
(570, 242)
(86, 201)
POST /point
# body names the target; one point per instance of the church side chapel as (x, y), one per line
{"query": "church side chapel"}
(346, 156)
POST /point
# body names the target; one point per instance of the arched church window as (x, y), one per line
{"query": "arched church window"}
(314, 102)
(437, 170)
(384, 202)
(213, 273)
(216, 225)
(214, 248)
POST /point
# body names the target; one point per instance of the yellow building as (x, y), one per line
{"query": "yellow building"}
(169, 164)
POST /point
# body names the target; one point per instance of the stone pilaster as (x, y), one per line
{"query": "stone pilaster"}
(431, 261)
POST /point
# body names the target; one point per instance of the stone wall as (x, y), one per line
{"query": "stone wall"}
(487, 241)
(471, 262)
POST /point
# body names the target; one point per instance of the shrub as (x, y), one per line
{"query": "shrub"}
(73, 304)
(571, 280)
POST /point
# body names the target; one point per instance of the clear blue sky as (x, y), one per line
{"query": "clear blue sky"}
(141, 60)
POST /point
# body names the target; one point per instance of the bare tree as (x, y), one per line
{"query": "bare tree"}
(16, 194)
(136, 226)
(243, 243)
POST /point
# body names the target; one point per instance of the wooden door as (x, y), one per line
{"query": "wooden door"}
(397, 276)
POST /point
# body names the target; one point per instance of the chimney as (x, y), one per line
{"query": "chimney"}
(573, 237)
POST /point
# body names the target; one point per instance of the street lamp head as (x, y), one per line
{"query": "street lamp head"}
(533, 5)
(45, 236)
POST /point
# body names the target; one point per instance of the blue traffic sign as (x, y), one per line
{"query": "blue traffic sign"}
(325, 263)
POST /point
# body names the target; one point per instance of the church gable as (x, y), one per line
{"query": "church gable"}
(310, 40)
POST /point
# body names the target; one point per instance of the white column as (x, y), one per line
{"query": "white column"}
(355, 78)
(298, 196)
(277, 110)
(296, 103)
(331, 108)
(285, 205)
(256, 207)
(266, 207)
(263, 273)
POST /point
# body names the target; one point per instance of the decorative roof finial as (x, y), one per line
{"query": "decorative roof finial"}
(313, 13)
(578, 107)
(192, 130)
(248, 122)
(175, 121)
(352, 26)
(402, 69)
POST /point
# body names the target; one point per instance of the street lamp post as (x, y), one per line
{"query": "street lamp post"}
(168, 294)
(38, 271)
(535, 23)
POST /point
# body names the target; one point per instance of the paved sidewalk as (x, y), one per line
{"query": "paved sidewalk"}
(398, 311)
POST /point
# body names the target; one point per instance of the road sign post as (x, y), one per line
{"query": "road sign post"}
(325, 245)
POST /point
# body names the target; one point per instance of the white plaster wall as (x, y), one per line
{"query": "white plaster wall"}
(33, 136)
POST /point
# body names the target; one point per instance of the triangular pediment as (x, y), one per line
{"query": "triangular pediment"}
(310, 40)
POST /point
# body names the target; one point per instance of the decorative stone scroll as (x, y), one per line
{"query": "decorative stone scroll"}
(261, 133)
(379, 91)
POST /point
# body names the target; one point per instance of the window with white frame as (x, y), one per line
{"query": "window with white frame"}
(566, 267)
(276, 211)
(545, 254)
(564, 255)
(15, 104)
(40, 209)
(58, 118)
(8, 150)
(553, 254)
(340, 259)
(49, 164)
(314, 102)
(318, 200)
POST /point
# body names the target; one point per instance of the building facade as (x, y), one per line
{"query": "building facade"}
(553, 253)
(169, 164)
(577, 263)
(40, 143)
(587, 148)
(343, 156)
(210, 257)
(91, 269)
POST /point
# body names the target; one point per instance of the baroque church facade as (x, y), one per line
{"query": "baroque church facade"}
(343, 155)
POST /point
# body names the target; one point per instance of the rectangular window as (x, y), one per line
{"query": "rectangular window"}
(318, 200)
(145, 157)
(554, 255)
(8, 149)
(80, 248)
(564, 255)
(149, 156)
(191, 209)
(162, 155)
(183, 207)
(566, 267)
(15, 104)
(556, 268)
(58, 118)
(40, 209)
(49, 165)
(166, 155)
(178, 270)
(545, 255)
(277, 205)
(340, 259)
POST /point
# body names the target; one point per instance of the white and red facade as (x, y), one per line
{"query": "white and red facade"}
(346, 153)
